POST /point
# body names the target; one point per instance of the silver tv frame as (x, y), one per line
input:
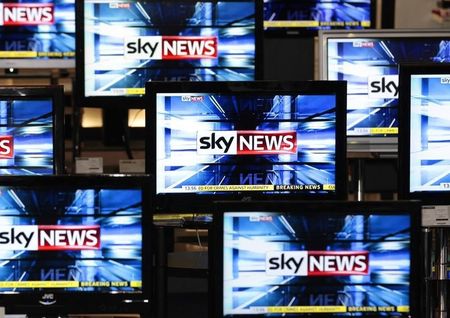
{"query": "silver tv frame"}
(371, 144)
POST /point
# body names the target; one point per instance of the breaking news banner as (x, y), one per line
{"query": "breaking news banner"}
(267, 187)
(68, 284)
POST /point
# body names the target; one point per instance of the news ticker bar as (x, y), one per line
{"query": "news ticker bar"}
(33, 54)
(377, 131)
(128, 91)
(262, 187)
(328, 309)
(313, 24)
(69, 284)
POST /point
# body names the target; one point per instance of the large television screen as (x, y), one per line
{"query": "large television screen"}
(322, 260)
(37, 34)
(368, 61)
(300, 16)
(247, 139)
(124, 44)
(58, 235)
(31, 130)
(425, 141)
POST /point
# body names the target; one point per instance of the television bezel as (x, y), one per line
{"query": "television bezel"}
(123, 101)
(412, 208)
(40, 63)
(371, 143)
(405, 72)
(88, 302)
(35, 92)
(287, 32)
(203, 201)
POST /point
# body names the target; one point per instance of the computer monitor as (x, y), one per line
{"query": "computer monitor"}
(424, 141)
(324, 259)
(31, 130)
(368, 60)
(75, 244)
(37, 34)
(245, 140)
(288, 17)
(122, 45)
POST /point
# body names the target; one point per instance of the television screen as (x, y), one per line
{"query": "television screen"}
(242, 140)
(30, 123)
(65, 235)
(127, 43)
(312, 15)
(333, 261)
(368, 61)
(37, 34)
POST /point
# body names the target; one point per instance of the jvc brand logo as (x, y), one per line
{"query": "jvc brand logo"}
(251, 142)
(383, 86)
(171, 47)
(15, 14)
(48, 299)
(6, 147)
(317, 263)
(49, 237)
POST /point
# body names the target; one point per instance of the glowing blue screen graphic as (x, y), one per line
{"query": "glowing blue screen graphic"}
(30, 123)
(110, 25)
(182, 169)
(317, 14)
(369, 65)
(116, 266)
(430, 139)
(251, 288)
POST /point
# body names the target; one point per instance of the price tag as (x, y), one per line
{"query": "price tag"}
(436, 215)
(132, 166)
(84, 165)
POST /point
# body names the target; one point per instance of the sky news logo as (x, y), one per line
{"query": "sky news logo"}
(317, 263)
(49, 237)
(364, 44)
(6, 147)
(383, 86)
(171, 47)
(445, 80)
(17, 14)
(250, 142)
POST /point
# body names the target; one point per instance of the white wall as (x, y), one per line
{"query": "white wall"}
(415, 14)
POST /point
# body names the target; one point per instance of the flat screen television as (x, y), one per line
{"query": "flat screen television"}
(124, 44)
(424, 139)
(244, 140)
(368, 60)
(74, 244)
(309, 16)
(31, 130)
(325, 259)
(37, 34)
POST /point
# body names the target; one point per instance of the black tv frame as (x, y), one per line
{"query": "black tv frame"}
(88, 302)
(412, 208)
(177, 201)
(56, 93)
(139, 101)
(286, 32)
(405, 72)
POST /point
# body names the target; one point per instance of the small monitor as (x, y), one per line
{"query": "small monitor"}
(246, 140)
(325, 259)
(368, 60)
(124, 44)
(74, 244)
(31, 130)
(37, 34)
(294, 17)
(424, 141)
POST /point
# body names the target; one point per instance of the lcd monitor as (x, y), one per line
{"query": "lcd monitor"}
(309, 16)
(73, 244)
(37, 34)
(124, 44)
(246, 139)
(368, 60)
(424, 141)
(31, 132)
(327, 259)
